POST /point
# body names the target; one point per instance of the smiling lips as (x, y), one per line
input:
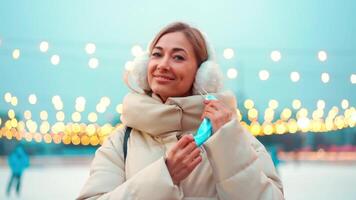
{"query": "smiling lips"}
(163, 78)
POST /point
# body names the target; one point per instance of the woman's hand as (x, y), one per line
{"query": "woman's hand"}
(217, 112)
(183, 158)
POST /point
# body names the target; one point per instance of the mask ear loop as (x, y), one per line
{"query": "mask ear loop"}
(203, 95)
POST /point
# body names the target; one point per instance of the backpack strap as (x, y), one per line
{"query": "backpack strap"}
(126, 138)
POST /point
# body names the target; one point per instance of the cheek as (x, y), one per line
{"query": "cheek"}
(150, 70)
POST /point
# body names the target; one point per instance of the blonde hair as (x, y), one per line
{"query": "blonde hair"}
(193, 35)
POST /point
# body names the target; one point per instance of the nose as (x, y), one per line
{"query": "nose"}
(163, 63)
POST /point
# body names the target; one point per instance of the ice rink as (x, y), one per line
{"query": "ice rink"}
(63, 180)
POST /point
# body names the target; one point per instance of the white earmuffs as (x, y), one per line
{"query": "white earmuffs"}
(208, 78)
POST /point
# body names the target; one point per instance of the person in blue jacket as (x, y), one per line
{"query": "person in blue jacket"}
(18, 161)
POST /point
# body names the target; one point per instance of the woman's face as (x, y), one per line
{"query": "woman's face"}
(172, 66)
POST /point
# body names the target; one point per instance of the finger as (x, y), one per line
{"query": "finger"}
(183, 153)
(185, 140)
(188, 159)
(184, 172)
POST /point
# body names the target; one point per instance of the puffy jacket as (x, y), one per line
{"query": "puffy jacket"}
(235, 164)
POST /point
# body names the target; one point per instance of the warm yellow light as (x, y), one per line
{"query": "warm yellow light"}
(79, 107)
(76, 128)
(90, 48)
(136, 50)
(14, 101)
(7, 97)
(252, 114)
(14, 123)
(85, 140)
(303, 122)
(28, 137)
(255, 128)
(11, 113)
(228, 53)
(100, 108)
(267, 129)
(106, 129)
(44, 46)
(292, 126)
(273, 104)
(93, 63)
(294, 76)
(94, 140)
(44, 115)
(60, 116)
(57, 138)
(90, 129)
(325, 77)
(58, 127)
(344, 104)
(231, 73)
(333, 112)
(21, 126)
(55, 59)
(269, 114)
(302, 113)
(47, 138)
(320, 104)
(31, 126)
(339, 122)
(281, 128)
(105, 101)
(66, 139)
(276, 56)
(80, 100)
(92, 117)
(296, 104)
(317, 114)
(16, 54)
(248, 104)
(38, 137)
(44, 127)
(264, 75)
(322, 56)
(353, 78)
(286, 114)
(32, 99)
(56, 99)
(76, 117)
(75, 140)
(27, 114)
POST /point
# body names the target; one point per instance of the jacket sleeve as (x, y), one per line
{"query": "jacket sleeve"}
(107, 176)
(241, 165)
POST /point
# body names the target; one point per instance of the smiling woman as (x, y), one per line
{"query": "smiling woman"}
(172, 66)
(161, 152)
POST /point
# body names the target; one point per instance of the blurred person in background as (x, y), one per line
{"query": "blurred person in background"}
(18, 161)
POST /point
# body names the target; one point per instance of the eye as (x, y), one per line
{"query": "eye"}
(178, 58)
(156, 54)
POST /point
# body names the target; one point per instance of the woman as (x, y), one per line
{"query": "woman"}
(163, 161)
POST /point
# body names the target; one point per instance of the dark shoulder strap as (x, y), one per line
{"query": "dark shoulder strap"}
(126, 138)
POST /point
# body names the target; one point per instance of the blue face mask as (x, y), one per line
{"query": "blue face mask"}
(205, 129)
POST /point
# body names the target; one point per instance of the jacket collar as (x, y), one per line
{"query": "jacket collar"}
(178, 114)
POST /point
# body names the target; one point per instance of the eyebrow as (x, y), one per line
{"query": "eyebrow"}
(174, 49)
